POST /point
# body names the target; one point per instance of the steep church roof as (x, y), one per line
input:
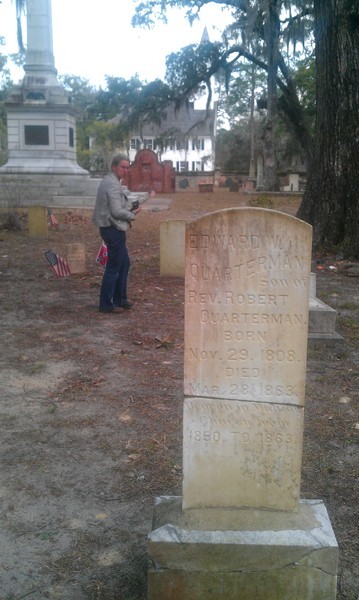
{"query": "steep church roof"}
(205, 36)
(185, 121)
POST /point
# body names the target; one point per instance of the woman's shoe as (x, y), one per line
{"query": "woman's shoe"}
(126, 305)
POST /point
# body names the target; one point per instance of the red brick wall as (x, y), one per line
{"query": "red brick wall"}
(147, 174)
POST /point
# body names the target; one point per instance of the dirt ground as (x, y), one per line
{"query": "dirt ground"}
(90, 410)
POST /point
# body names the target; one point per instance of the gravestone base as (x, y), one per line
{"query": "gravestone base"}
(322, 321)
(209, 554)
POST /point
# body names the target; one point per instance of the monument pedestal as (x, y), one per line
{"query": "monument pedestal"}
(209, 554)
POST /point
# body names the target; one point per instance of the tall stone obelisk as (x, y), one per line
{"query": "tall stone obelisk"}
(39, 56)
(41, 120)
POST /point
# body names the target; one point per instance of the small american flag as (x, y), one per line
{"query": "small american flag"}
(53, 221)
(101, 257)
(58, 264)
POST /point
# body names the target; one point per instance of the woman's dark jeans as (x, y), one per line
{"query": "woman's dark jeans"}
(114, 283)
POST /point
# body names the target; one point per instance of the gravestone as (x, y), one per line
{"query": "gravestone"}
(76, 258)
(172, 247)
(247, 295)
(292, 183)
(37, 221)
(240, 528)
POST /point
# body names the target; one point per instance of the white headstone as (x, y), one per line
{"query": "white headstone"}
(246, 322)
(172, 248)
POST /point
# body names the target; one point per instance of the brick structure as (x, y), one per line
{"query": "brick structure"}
(147, 174)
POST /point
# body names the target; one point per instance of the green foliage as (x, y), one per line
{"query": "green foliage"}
(3, 122)
(245, 78)
(257, 37)
(136, 102)
(118, 90)
(105, 139)
(15, 195)
(305, 82)
(261, 201)
(188, 68)
(232, 149)
(81, 93)
(150, 12)
(83, 96)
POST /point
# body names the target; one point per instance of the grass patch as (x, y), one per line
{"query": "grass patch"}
(349, 306)
(261, 201)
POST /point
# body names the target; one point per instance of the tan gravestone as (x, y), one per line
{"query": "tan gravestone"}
(240, 529)
(37, 221)
(172, 248)
(76, 258)
(246, 323)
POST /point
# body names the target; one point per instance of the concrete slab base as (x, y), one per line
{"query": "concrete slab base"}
(322, 321)
(247, 554)
(48, 189)
(322, 317)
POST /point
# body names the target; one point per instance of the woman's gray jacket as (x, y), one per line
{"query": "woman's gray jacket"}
(112, 205)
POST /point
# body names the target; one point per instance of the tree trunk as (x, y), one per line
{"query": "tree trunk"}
(271, 34)
(331, 200)
(252, 170)
(292, 112)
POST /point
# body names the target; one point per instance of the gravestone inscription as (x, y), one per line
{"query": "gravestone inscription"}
(246, 324)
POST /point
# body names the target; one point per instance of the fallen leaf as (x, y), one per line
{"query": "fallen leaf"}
(133, 457)
(125, 418)
(166, 342)
(101, 516)
(344, 400)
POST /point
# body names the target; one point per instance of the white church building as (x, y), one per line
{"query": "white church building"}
(186, 136)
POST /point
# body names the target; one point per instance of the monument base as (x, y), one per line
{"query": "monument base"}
(208, 554)
(322, 321)
(51, 189)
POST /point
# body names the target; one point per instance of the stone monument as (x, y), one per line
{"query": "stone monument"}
(240, 529)
(41, 124)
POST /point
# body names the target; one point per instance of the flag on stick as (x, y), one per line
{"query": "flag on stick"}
(58, 264)
(53, 221)
(101, 257)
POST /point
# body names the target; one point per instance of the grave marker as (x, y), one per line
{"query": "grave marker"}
(246, 321)
(76, 257)
(37, 218)
(172, 248)
(240, 529)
